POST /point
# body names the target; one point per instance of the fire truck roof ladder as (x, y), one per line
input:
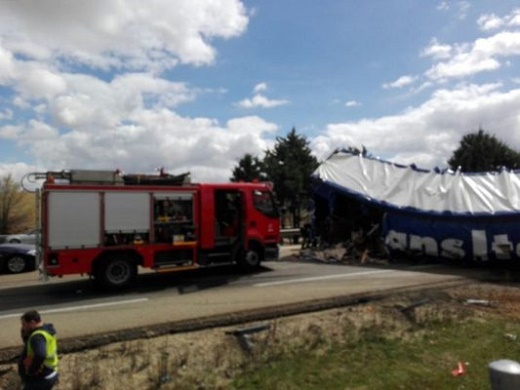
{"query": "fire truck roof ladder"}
(85, 177)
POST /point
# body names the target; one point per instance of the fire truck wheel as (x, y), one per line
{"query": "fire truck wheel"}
(249, 260)
(116, 271)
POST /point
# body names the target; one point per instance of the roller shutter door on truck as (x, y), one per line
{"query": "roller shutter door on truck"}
(73, 219)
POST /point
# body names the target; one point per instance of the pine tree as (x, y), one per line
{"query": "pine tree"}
(249, 168)
(289, 166)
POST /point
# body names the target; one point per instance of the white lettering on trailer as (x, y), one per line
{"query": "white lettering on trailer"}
(452, 248)
(426, 244)
(479, 240)
(501, 245)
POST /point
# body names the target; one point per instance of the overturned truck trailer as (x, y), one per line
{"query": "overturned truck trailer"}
(434, 213)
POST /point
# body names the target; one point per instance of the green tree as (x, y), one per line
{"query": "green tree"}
(249, 168)
(16, 207)
(481, 152)
(289, 166)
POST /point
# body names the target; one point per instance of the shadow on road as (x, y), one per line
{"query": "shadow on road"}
(63, 292)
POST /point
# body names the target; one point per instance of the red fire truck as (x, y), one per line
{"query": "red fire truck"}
(106, 224)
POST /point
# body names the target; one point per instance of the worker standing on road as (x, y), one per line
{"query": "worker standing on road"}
(38, 364)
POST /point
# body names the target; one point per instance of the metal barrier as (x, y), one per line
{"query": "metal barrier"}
(292, 234)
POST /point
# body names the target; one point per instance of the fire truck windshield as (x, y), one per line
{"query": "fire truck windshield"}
(264, 202)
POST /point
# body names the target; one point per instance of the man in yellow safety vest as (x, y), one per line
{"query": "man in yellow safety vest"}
(38, 365)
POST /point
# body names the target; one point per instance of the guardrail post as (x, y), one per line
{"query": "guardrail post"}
(504, 375)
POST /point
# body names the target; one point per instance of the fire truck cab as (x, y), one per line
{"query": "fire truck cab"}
(107, 225)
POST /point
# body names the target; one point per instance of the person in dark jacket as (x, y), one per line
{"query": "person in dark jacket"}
(38, 364)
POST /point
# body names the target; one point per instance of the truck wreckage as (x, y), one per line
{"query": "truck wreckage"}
(372, 205)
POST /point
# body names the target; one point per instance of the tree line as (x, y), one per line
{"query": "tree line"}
(288, 166)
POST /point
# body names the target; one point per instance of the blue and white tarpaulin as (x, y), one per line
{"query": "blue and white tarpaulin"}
(437, 213)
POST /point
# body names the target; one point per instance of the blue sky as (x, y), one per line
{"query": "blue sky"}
(193, 85)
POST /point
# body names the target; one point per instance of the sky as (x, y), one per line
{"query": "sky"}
(194, 85)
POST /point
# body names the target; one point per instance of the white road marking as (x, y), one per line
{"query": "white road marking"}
(315, 278)
(83, 307)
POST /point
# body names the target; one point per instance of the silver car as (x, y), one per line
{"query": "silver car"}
(22, 238)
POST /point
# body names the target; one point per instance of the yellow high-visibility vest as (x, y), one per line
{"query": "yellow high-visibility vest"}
(51, 354)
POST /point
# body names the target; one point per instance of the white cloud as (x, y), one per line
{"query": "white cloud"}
(481, 56)
(82, 100)
(7, 66)
(35, 81)
(9, 132)
(7, 114)
(463, 7)
(488, 22)
(93, 103)
(79, 117)
(259, 100)
(262, 102)
(514, 20)
(460, 7)
(120, 34)
(75, 117)
(260, 88)
(436, 50)
(443, 6)
(428, 134)
(352, 103)
(17, 171)
(400, 82)
(155, 138)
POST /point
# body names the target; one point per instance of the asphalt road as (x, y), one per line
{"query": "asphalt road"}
(77, 309)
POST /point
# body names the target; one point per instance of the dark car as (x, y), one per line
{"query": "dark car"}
(16, 258)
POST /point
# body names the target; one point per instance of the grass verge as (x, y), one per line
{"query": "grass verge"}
(378, 360)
